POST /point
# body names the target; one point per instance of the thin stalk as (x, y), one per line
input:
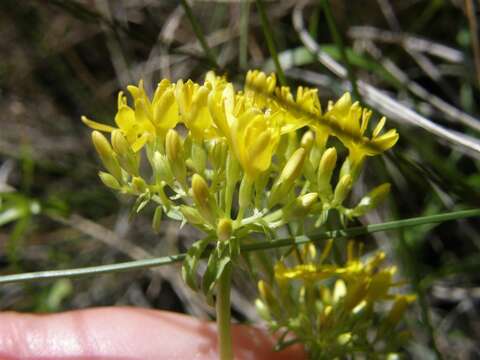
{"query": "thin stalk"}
(339, 41)
(199, 34)
(223, 314)
(268, 32)
(244, 19)
(414, 274)
(261, 245)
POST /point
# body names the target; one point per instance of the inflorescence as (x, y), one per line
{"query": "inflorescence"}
(233, 163)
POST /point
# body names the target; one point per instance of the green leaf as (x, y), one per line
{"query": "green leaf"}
(215, 267)
(189, 267)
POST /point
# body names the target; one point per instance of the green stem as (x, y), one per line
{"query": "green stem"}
(261, 245)
(223, 314)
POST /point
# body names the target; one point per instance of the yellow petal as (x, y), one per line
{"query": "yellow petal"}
(96, 125)
(125, 118)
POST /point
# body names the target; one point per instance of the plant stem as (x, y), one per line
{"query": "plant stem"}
(261, 245)
(223, 314)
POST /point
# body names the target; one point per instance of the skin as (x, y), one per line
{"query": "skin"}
(123, 333)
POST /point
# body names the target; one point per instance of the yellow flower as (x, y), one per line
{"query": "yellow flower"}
(351, 122)
(255, 137)
(259, 87)
(192, 103)
(147, 119)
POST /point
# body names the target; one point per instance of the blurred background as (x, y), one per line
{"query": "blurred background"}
(415, 61)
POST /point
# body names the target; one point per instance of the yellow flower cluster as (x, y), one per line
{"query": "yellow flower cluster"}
(336, 310)
(257, 156)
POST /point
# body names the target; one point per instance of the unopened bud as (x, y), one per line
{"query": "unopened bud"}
(191, 215)
(341, 190)
(371, 200)
(200, 190)
(106, 154)
(224, 229)
(201, 195)
(161, 169)
(262, 310)
(109, 181)
(127, 158)
(300, 206)
(307, 140)
(176, 156)
(398, 309)
(199, 157)
(119, 143)
(289, 174)
(325, 171)
(139, 185)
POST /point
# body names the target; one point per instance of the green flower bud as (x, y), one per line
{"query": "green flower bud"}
(192, 215)
(325, 171)
(109, 181)
(224, 229)
(202, 198)
(107, 155)
(126, 157)
(307, 140)
(291, 171)
(139, 185)
(200, 191)
(217, 153)
(300, 207)
(199, 157)
(161, 169)
(176, 155)
(371, 200)
(341, 190)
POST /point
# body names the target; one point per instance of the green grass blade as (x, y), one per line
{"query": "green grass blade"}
(263, 245)
(339, 41)
(268, 32)
(199, 34)
(244, 19)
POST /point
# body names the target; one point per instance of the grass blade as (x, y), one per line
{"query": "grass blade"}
(263, 245)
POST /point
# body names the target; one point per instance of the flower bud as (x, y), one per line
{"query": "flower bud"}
(106, 154)
(398, 309)
(217, 153)
(341, 190)
(119, 143)
(290, 173)
(202, 198)
(307, 141)
(224, 229)
(157, 219)
(325, 171)
(139, 185)
(125, 155)
(301, 206)
(109, 181)
(176, 155)
(191, 215)
(199, 157)
(262, 310)
(200, 191)
(161, 169)
(371, 200)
